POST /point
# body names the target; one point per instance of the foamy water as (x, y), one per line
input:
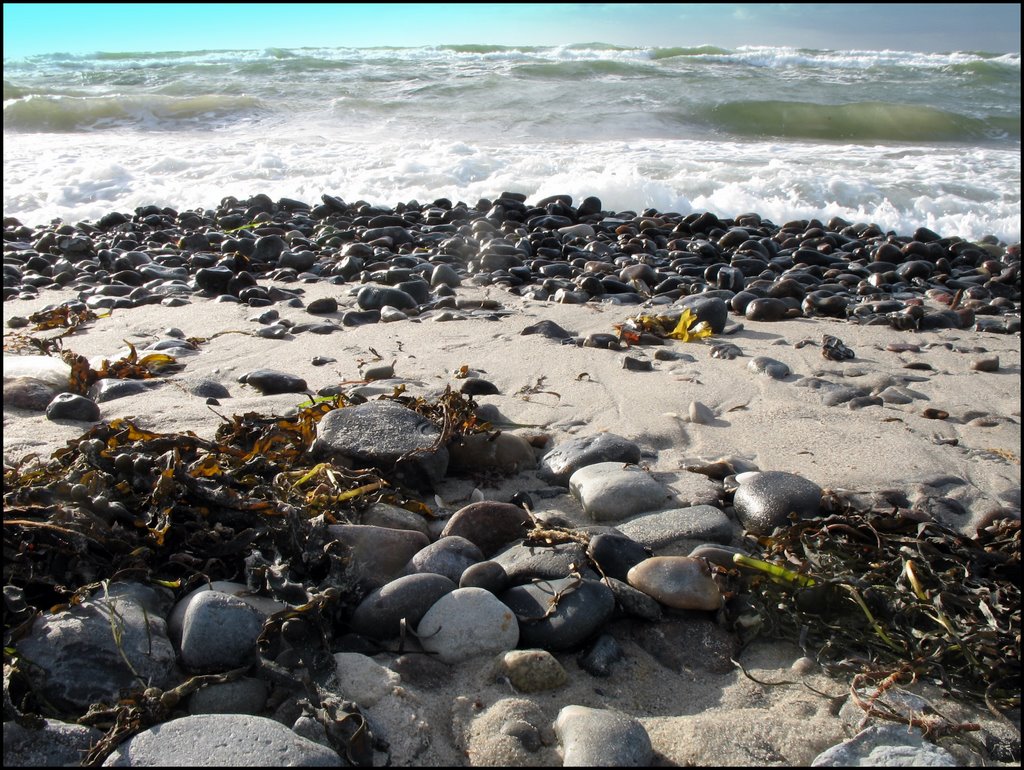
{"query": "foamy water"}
(896, 138)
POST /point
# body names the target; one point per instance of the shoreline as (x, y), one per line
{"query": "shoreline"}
(930, 417)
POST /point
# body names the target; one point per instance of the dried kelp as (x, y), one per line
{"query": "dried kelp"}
(177, 510)
(881, 592)
(685, 328)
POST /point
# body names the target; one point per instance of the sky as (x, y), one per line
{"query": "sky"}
(78, 28)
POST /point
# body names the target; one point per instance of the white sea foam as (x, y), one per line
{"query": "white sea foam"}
(781, 181)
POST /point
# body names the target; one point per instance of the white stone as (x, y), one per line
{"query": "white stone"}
(613, 491)
(466, 623)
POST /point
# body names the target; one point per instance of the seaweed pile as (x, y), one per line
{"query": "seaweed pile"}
(884, 595)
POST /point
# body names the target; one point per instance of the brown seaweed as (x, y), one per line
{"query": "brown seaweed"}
(876, 593)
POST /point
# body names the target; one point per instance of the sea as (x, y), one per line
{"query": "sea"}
(896, 138)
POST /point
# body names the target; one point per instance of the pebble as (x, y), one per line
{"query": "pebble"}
(614, 554)
(533, 670)
(569, 456)
(219, 632)
(506, 454)
(28, 393)
(680, 582)
(465, 623)
(523, 563)
(71, 406)
(271, 382)
(247, 695)
(598, 657)
(449, 556)
(764, 500)
(53, 744)
(362, 679)
(601, 738)
(700, 414)
(380, 613)
(989, 363)
(611, 491)
(582, 607)
(376, 555)
(488, 525)
(769, 367)
(224, 740)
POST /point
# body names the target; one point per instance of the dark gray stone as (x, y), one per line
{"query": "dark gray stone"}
(448, 556)
(76, 660)
(711, 310)
(112, 388)
(219, 632)
(381, 434)
(71, 406)
(765, 500)
(615, 554)
(568, 457)
(582, 608)
(379, 615)
(375, 297)
(270, 382)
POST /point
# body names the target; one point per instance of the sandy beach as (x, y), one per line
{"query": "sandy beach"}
(697, 707)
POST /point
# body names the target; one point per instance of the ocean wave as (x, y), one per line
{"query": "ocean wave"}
(151, 111)
(701, 50)
(856, 122)
(585, 69)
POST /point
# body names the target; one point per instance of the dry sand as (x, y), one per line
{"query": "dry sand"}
(694, 716)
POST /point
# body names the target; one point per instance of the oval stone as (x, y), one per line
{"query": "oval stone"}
(379, 615)
(681, 582)
(764, 500)
(581, 608)
(466, 623)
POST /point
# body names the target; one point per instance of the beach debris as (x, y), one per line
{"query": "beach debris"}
(833, 348)
(685, 328)
(877, 594)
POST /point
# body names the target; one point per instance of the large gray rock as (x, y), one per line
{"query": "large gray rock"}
(55, 744)
(601, 738)
(886, 746)
(661, 530)
(221, 740)
(765, 499)
(612, 491)
(76, 659)
(382, 434)
(219, 632)
(568, 457)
